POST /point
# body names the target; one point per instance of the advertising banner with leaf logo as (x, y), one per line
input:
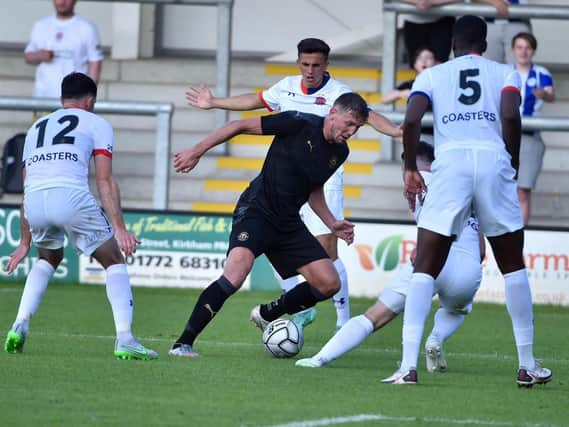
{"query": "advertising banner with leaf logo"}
(379, 251)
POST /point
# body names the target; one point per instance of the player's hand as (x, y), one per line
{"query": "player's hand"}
(200, 97)
(414, 187)
(18, 255)
(344, 230)
(413, 256)
(502, 7)
(539, 92)
(127, 241)
(185, 161)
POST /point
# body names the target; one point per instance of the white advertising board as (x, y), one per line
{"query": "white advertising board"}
(379, 250)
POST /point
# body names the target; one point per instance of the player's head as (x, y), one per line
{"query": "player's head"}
(80, 90)
(425, 156)
(347, 115)
(469, 35)
(64, 8)
(524, 46)
(312, 61)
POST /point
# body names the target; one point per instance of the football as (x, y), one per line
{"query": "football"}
(282, 338)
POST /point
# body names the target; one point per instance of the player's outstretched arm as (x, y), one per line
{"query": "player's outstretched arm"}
(341, 228)
(202, 97)
(186, 160)
(110, 199)
(383, 125)
(25, 242)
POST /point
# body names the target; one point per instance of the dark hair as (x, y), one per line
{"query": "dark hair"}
(77, 86)
(528, 37)
(470, 33)
(353, 103)
(313, 46)
(420, 50)
(425, 151)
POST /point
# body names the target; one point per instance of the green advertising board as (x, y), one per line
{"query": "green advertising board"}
(9, 241)
(176, 250)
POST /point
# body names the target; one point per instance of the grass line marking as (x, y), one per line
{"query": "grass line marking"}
(380, 417)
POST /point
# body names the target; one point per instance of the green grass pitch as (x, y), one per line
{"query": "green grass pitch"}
(67, 375)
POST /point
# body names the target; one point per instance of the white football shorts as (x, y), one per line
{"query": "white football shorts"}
(456, 285)
(55, 212)
(466, 180)
(334, 195)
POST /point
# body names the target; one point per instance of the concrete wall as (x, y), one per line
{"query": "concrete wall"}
(260, 27)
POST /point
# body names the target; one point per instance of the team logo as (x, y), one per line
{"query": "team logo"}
(309, 142)
(59, 36)
(320, 100)
(292, 94)
(243, 236)
(532, 82)
(333, 162)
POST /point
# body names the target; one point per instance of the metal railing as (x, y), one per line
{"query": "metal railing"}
(162, 111)
(223, 48)
(391, 9)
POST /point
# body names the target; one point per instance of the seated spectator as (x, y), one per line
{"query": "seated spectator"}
(537, 88)
(423, 58)
(435, 31)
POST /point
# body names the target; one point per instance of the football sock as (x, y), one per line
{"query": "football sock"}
(417, 307)
(342, 297)
(291, 282)
(519, 305)
(36, 284)
(299, 298)
(352, 334)
(208, 305)
(119, 295)
(446, 324)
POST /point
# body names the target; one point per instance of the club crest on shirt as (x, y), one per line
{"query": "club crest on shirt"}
(243, 236)
(320, 100)
(333, 162)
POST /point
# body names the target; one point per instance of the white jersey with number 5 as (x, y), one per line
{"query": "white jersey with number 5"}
(465, 96)
(59, 147)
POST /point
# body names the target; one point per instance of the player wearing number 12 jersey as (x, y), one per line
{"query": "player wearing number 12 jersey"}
(477, 126)
(57, 202)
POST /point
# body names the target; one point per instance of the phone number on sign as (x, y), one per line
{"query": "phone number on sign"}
(201, 261)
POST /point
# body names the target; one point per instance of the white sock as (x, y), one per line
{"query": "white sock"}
(288, 284)
(446, 324)
(342, 297)
(120, 297)
(36, 284)
(352, 334)
(520, 309)
(417, 307)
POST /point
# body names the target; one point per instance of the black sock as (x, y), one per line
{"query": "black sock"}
(299, 298)
(208, 305)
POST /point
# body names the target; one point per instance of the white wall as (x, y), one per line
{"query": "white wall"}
(259, 26)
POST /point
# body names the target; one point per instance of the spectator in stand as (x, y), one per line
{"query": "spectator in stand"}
(537, 88)
(60, 44)
(501, 30)
(420, 30)
(423, 58)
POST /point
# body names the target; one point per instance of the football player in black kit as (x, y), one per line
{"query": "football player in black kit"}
(305, 152)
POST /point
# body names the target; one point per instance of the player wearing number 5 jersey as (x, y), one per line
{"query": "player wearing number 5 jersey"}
(57, 202)
(477, 138)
